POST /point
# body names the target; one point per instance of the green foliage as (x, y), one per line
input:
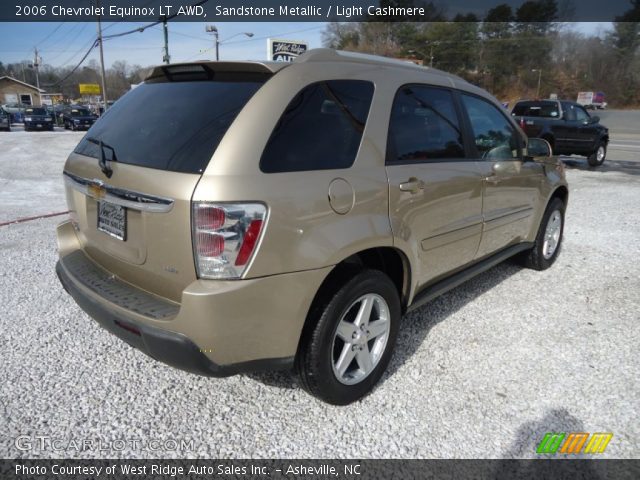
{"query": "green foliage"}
(509, 51)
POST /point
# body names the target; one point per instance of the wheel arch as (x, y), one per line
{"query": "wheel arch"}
(389, 260)
(561, 192)
(549, 137)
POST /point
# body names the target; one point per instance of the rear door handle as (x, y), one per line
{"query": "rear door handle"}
(413, 185)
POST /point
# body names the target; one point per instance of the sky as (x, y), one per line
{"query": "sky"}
(64, 44)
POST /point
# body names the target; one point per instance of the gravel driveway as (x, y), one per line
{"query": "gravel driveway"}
(484, 371)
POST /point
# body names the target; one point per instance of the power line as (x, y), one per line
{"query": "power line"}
(69, 43)
(80, 50)
(50, 34)
(59, 82)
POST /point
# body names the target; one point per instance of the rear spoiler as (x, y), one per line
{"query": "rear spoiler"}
(209, 70)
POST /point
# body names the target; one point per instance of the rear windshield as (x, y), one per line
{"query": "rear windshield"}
(536, 109)
(170, 125)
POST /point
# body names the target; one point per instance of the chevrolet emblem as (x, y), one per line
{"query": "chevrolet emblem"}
(96, 189)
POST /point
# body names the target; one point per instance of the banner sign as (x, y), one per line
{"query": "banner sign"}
(285, 50)
(89, 89)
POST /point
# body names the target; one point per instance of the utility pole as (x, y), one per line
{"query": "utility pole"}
(539, 70)
(104, 84)
(166, 58)
(36, 64)
(431, 45)
(213, 29)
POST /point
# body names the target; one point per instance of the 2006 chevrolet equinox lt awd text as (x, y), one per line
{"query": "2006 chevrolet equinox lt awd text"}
(239, 216)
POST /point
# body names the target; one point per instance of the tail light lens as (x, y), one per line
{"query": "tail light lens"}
(225, 237)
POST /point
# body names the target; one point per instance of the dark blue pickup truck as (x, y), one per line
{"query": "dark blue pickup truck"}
(566, 126)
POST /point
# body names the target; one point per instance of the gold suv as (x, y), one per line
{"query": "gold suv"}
(238, 216)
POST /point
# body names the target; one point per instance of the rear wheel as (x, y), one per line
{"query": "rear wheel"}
(597, 157)
(547, 244)
(349, 348)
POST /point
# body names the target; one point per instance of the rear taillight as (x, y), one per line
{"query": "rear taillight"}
(522, 123)
(225, 237)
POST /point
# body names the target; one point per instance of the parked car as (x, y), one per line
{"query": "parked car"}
(14, 107)
(78, 118)
(5, 121)
(294, 220)
(566, 125)
(36, 118)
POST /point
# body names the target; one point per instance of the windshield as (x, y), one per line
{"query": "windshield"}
(170, 125)
(537, 109)
(35, 111)
(80, 112)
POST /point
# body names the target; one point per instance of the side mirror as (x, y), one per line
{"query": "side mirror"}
(538, 147)
(594, 119)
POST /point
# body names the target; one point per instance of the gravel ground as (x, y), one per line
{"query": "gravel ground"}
(482, 372)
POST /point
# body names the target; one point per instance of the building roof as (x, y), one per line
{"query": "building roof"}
(11, 79)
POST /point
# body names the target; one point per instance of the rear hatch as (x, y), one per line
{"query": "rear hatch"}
(130, 180)
(533, 115)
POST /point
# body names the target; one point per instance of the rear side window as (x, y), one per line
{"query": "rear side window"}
(424, 126)
(170, 125)
(321, 128)
(536, 109)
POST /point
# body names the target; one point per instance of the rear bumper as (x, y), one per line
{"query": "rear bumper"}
(172, 348)
(220, 328)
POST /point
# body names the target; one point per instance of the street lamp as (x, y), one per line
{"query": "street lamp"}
(539, 70)
(214, 30)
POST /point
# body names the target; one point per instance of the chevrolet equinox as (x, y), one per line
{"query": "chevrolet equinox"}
(239, 216)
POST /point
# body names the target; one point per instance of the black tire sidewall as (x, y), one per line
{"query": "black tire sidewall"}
(316, 361)
(544, 263)
(593, 158)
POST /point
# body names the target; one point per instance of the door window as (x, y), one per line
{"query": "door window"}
(495, 137)
(581, 115)
(423, 126)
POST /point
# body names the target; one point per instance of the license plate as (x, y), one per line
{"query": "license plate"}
(39, 125)
(112, 220)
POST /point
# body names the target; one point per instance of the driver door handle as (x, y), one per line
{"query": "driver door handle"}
(413, 185)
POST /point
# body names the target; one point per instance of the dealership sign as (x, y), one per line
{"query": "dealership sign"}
(285, 50)
(89, 89)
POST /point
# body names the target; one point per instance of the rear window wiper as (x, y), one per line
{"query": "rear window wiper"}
(104, 166)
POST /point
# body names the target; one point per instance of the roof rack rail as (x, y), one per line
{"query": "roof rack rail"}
(330, 55)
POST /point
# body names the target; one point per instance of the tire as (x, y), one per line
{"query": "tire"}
(318, 360)
(598, 156)
(540, 257)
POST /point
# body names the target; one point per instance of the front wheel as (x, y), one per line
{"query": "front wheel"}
(597, 157)
(547, 243)
(349, 348)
